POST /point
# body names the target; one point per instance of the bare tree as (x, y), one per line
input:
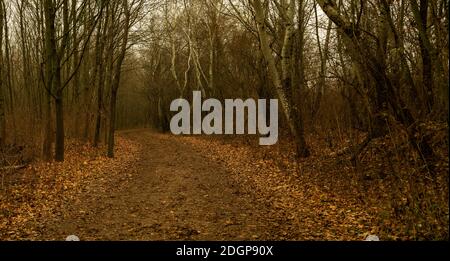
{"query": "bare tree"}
(283, 81)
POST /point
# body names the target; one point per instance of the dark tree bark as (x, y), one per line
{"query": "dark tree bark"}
(2, 101)
(116, 79)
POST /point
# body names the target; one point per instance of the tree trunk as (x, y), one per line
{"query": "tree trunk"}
(48, 130)
(116, 80)
(77, 111)
(112, 122)
(59, 146)
(100, 46)
(2, 101)
(427, 70)
(298, 83)
(283, 84)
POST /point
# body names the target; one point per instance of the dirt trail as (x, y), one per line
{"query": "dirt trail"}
(175, 194)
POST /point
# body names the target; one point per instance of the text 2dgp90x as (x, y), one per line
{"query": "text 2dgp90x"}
(246, 251)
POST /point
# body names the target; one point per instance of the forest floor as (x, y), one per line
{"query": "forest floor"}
(162, 187)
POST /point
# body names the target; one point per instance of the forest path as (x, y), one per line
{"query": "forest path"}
(176, 194)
